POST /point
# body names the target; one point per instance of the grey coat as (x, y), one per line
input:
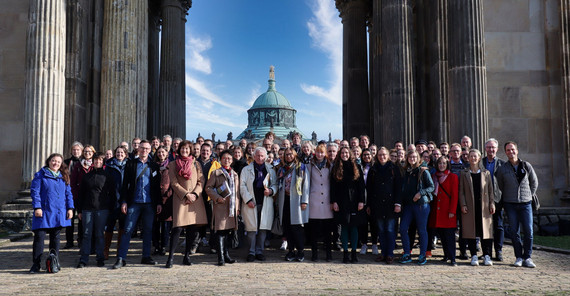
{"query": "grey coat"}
(298, 216)
(512, 191)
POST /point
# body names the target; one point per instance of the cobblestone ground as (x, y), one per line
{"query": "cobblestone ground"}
(275, 276)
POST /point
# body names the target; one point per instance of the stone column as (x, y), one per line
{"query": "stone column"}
(375, 60)
(172, 107)
(398, 88)
(123, 81)
(76, 72)
(565, 73)
(355, 99)
(153, 68)
(438, 119)
(467, 72)
(45, 85)
(95, 51)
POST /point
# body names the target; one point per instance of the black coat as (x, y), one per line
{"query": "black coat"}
(129, 182)
(383, 188)
(96, 192)
(347, 193)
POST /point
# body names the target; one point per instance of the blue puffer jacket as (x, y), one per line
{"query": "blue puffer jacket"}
(53, 197)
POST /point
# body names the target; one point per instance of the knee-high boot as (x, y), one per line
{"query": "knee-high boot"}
(220, 249)
(227, 257)
(187, 248)
(108, 240)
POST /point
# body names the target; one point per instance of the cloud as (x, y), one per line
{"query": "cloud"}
(197, 115)
(202, 91)
(255, 92)
(325, 30)
(196, 60)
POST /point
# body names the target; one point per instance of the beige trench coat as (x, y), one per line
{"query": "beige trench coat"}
(187, 214)
(466, 198)
(221, 211)
(248, 214)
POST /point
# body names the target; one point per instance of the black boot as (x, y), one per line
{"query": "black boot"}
(220, 250)
(187, 249)
(345, 257)
(120, 263)
(314, 254)
(227, 257)
(353, 258)
(329, 254)
(169, 260)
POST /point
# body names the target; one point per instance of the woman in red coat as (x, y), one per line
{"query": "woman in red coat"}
(444, 206)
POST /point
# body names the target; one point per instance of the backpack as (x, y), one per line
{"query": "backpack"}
(52, 262)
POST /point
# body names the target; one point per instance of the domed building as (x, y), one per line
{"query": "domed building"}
(271, 112)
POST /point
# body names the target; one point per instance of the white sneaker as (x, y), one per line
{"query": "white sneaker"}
(528, 263)
(363, 249)
(518, 262)
(475, 260)
(487, 261)
(375, 249)
(283, 246)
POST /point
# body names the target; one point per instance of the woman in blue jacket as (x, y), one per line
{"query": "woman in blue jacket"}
(53, 206)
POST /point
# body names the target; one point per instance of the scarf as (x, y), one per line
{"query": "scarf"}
(300, 172)
(321, 164)
(184, 165)
(86, 163)
(439, 178)
(164, 164)
(259, 168)
(55, 174)
(228, 174)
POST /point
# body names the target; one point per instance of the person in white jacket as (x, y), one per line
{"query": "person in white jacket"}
(258, 185)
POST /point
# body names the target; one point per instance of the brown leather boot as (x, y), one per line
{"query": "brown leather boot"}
(108, 239)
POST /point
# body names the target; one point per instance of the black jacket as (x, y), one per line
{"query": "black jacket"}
(347, 193)
(96, 192)
(383, 186)
(129, 182)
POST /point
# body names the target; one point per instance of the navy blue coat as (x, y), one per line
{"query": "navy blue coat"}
(53, 197)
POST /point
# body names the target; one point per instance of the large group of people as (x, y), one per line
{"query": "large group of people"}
(331, 195)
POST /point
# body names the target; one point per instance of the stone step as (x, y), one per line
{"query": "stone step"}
(15, 214)
(16, 207)
(21, 200)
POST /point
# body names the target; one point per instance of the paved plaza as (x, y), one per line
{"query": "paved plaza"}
(275, 276)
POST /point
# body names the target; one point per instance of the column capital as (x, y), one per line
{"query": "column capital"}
(344, 6)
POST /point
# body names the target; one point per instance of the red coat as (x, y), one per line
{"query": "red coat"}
(443, 204)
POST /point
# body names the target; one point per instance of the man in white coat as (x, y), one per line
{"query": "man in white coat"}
(258, 184)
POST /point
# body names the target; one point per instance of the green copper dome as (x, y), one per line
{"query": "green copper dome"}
(271, 98)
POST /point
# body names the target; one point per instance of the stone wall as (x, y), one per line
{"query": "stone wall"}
(13, 26)
(524, 99)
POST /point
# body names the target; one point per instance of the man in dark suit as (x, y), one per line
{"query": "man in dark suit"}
(492, 163)
(140, 197)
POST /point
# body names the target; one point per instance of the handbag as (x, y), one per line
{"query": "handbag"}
(276, 227)
(535, 203)
(52, 262)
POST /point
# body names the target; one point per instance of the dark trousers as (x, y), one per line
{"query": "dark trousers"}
(486, 246)
(363, 231)
(462, 242)
(161, 234)
(432, 233)
(39, 238)
(498, 229)
(70, 229)
(447, 236)
(295, 234)
(321, 230)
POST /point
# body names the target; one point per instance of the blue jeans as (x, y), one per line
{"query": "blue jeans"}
(419, 213)
(387, 234)
(256, 241)
(93, 226)
(520, 214)
(498, 230)
(146, 212)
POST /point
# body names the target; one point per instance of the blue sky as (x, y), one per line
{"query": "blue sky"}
(230, 46)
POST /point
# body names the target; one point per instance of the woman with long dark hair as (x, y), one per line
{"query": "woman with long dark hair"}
(53, 206)
(347, 188)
